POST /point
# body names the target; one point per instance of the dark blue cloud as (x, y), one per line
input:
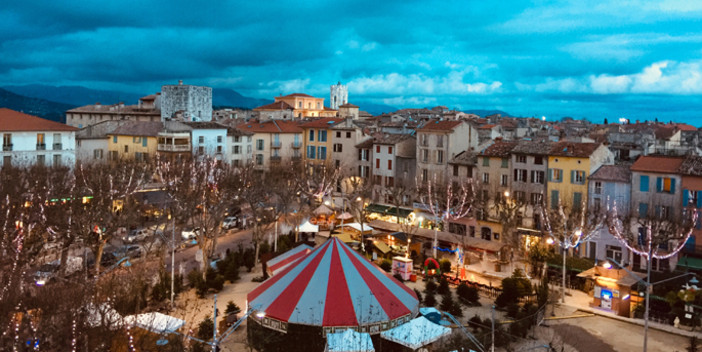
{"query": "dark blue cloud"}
(577, 58)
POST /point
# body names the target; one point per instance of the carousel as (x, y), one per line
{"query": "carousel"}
(331, 289)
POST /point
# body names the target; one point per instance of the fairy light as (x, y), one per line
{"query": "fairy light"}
(131, 338)
(74, 340)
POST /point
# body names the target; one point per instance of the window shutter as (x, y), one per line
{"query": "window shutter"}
(572, 176)
(686, 197)
(643, 210)
(659, 184)
(515, 175)
(658, 211)
(643, 186)
(672, 185)
(699, 199)
(550, 174)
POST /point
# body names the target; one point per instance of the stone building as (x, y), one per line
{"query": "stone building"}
(194, 103)
(339, 95)
(148, 109)
(438, 141)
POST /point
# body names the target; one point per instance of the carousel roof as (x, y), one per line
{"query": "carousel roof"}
(279, 263)
(333, 286)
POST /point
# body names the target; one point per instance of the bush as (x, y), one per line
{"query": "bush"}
(476, 323)
(399, 277)
(468, 294)
(249, 259)
(386, 265)
(232, 308)
(430, 286)
(197, 282)
(443, 286)
(513, 288)
(217, 283)
(445, 265)
(429, 299)
(205, 329)
(419, 294)
(512, 310)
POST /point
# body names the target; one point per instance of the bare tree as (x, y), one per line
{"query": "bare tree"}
(360, 191)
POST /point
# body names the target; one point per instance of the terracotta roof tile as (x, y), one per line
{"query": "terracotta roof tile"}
(660, 164)
(533, 147)
(691, 166)
(299, 95)
(139, 128)
(439, 125)
(273, 126)
(348, 105)
(11, 120)
(205, 125)
(486, 127)
(325, 122)
(278, 105)
(578, 150)
(616, 173)
(499, 149)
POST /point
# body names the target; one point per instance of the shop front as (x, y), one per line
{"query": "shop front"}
(613, 289)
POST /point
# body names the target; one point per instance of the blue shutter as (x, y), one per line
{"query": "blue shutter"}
(686, 198)
(672, 185)
(550, 175)
(144, 141)
(690, 245)
(659, 184)
(642, 231)
(699, 199)
(643, 210)
(643, 187)
(572, 176)
(658, 211)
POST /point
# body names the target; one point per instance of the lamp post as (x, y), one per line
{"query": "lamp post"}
(648, 284)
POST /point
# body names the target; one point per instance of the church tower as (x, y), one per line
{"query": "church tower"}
(339, 96)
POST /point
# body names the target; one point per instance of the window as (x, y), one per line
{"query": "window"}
(486, 177)
(41, 143)
(377, 149)
(299, 104)
(41, 159)
(322, 153)
(537, 177)
(363, 154)
(520, 175)
(348, 134)
(424, 175)
(577, 177)
(663, 212)
(521, 159)
(311, 135)
(598, 187)
(377, 163)
(614, 252)
(505, 163)
(536, 198)
(259, 144)
(219, 139)
(423, 138)
(643, 183)
(136, 140)
(439, 156)
(665, 185)
(144, 141)
(201, 139)
(504, 180)
(237, 139)
(554, 199)
(322, 135)
(597, 203)
(259, 159)
(377, 179)
(389, 164)
(310, 152)
(248, 149)
(338, 134)
(114, 139)
(486, 161)
(219, 149)
(577, 200)
(520, 196)
(126, 149)
(390, 181)
(337, 148)
(440, 141)
(556, 175)
(390, 150)
(425, 155)
(337, 164)
(236, 162)
(643, 210)
(114, 155)
(57, 159)
(201, 150)
(97, 154)
(538, 160)
(691, 198)
(237, 149)
(455, 170)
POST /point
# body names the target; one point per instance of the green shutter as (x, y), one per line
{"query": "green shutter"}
(659, 184)
(554, 199)
(672, 185)
(643, 186)
(550, 175)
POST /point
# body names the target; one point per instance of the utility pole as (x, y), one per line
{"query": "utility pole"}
(648, 293)
(214, 332)
(492, 312)
(565, 251)
(173, 245)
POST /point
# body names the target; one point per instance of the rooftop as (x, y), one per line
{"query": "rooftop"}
(691, 166)
(325, 122)
(134, 128)
(278, 105)
(616, 173)
(439, 125)
(299, 95)
(531, 147)
(11, 120)
(660, 164)
(273, 126)
(499, 149)
(463, 158)
(573, 149)
(205, 125)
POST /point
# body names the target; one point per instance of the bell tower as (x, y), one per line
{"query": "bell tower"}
(339, 95)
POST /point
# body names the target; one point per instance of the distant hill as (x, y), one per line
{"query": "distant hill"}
(34, 106)
(76, 95)
(483, 113)
(373, 108)
(231, 98)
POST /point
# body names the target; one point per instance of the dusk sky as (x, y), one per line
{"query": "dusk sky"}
(635, 59)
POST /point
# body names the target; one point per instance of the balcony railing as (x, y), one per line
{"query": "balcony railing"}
(275, 144)
(297, 145)
(58, 146)
(173, 147)
(7, 147)
(296, 157)
(41, 146)
(275, 158)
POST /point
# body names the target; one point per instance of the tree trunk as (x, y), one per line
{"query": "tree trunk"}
(98, 255)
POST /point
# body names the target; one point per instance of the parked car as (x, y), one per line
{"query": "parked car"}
(137, 235)
(131, 251)
(229, 222)
(46, 273)
(190, 233)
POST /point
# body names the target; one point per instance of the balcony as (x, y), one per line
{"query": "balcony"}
(174, 148)
(296, 145)
(296, 157)
(275, 144)
(7, 147)
(58, 146)
(41, 146)
(275, 159)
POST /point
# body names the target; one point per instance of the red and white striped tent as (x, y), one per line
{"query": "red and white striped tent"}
(279, 263)
(333, 286)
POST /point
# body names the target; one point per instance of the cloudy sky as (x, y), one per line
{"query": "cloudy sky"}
(593, 59)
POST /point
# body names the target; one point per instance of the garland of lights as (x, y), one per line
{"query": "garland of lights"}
(618, 234)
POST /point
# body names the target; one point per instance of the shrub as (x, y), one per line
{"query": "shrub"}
(386, 265)
(429, 299)
(205, 329)
(443, 286)
(232, 308)
(475, 322)
(430, 286)
(217, 283)
(445, 265)
(399, 277)
(419, 294)
(197, 282)
(468, 294)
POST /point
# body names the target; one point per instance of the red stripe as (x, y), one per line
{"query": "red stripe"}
(287, 260)
(390, 303)
(283, 306)
(338, 310)
(268, 283)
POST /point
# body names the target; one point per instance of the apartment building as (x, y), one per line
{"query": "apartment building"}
(438, 141)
